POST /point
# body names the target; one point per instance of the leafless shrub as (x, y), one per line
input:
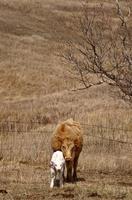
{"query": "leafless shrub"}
(103, 51)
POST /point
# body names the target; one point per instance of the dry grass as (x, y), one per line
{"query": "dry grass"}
(35, 86)
(33, 80)
(24, 167)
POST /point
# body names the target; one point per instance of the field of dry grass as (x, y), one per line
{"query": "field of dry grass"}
(35, 86)
(105, 173)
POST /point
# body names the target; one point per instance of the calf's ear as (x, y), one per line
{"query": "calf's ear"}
(51, 164)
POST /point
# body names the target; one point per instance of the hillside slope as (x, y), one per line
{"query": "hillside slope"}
(33, 80)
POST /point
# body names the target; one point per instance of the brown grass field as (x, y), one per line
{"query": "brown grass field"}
(36, 91)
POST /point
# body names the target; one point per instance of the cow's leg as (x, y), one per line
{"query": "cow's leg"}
(75, 163)
(69, 171)
(69, 175)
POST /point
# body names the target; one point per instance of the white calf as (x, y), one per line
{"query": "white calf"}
(57, 167)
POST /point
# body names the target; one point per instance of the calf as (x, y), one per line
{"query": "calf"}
(57, 167)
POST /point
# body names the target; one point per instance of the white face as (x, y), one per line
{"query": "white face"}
(57, 165)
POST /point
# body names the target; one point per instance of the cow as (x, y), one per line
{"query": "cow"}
(68, 138)
(57, 168)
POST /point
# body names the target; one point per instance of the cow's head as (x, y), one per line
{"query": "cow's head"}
(68, 149)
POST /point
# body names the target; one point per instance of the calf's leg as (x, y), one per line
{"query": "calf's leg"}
(52, 178)
(61, 181)
(52, 182)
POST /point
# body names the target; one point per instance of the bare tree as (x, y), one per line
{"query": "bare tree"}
(103, 49)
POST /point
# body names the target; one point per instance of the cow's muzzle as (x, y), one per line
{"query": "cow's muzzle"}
(68, 158)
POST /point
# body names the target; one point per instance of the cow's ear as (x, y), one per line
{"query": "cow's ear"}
(76, 142)
(63, 127)
(75, 145)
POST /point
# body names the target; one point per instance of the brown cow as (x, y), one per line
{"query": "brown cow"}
(67, 137)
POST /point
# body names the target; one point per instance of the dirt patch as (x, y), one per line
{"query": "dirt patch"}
(35, 185)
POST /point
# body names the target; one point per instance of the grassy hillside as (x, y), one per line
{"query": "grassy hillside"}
(32, 78)
(36, 86)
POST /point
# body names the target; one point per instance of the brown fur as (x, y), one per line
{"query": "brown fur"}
(68, 134)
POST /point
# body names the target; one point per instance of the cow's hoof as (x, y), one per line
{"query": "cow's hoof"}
(69, 180)
(75, 178)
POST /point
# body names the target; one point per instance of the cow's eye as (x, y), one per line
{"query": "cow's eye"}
(73, 148)
(63, 147)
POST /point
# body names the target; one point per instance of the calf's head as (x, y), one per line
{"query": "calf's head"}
(68, 149)
(57, 165)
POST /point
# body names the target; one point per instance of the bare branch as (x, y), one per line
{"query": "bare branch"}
(88, 86)
(121, 15)
(103, 52)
